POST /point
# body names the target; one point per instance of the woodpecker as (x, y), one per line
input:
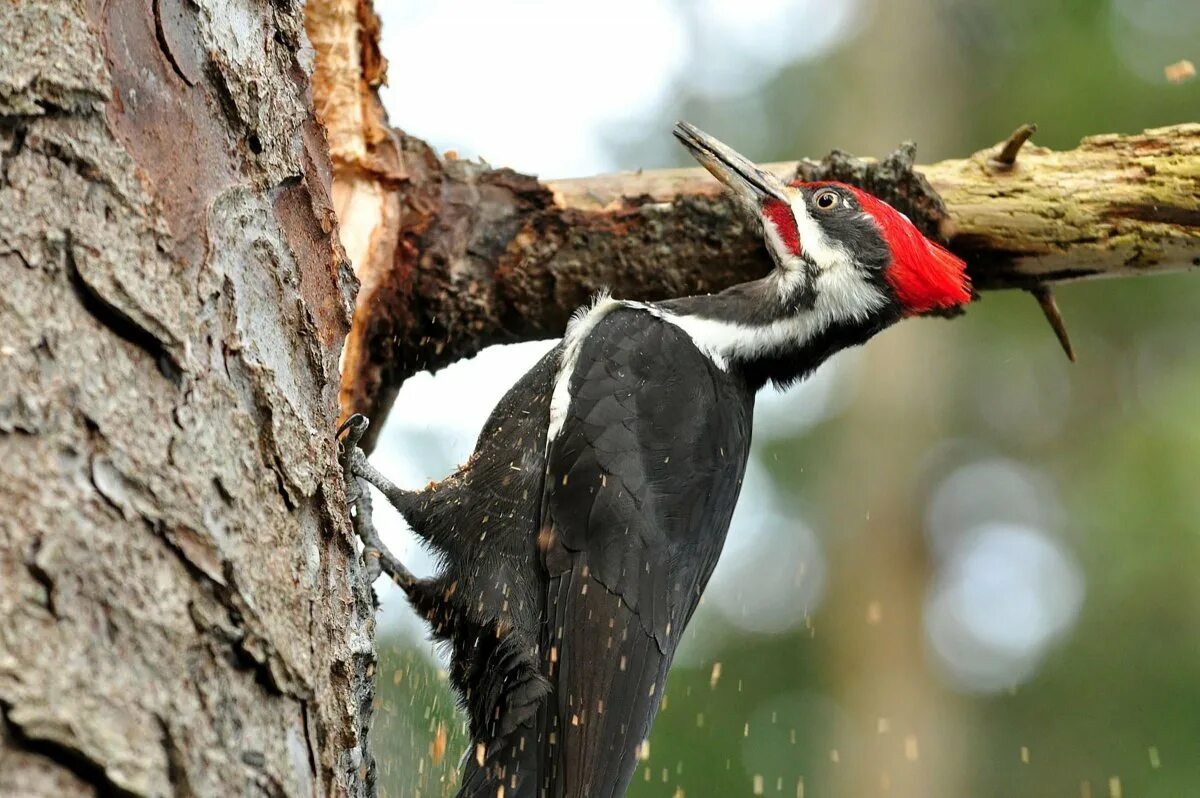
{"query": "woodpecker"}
(578, 538)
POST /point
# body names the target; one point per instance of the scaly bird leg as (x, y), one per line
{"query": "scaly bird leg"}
(358, 474)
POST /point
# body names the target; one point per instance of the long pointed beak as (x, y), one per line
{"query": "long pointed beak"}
(749, 184)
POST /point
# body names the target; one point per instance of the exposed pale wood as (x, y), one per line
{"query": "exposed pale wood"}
(368, 178)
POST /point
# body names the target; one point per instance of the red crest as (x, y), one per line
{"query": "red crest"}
(923, 273)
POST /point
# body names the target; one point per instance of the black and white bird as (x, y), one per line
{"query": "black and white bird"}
(577, 540)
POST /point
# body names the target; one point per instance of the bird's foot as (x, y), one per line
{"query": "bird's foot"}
(358, 474)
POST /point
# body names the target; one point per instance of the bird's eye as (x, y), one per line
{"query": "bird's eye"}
(827, 199)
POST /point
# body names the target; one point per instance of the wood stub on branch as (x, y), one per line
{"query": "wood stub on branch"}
(489, 256)
(1006, 154)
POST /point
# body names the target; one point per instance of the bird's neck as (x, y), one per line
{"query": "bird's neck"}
(749, 329)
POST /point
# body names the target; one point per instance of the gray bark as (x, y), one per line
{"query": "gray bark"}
(181, 607)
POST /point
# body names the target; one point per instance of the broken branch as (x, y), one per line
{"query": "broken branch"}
(485, 256)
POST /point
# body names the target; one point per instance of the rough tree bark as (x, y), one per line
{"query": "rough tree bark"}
(181, 610)
(454, 256)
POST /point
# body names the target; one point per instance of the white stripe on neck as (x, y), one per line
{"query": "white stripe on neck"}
(842, 296)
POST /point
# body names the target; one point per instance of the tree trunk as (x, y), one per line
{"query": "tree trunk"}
(181, 608)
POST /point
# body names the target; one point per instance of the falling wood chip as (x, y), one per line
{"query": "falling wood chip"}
(1180, 71)
(437, 748)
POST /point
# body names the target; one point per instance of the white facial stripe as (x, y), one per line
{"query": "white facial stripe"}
(775, 244)
(824, 253)
(844, 295)
(788, 279)
(819, 250)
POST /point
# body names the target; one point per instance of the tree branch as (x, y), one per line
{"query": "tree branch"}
(454, 256)
(492, 256)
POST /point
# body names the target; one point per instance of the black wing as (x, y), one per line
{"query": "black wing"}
(640, 486)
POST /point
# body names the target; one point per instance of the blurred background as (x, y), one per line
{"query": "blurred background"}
(961, 566)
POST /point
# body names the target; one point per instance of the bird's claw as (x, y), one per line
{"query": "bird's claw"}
(355, 427)
(357, 474)
(372, 562)
(351, 456)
